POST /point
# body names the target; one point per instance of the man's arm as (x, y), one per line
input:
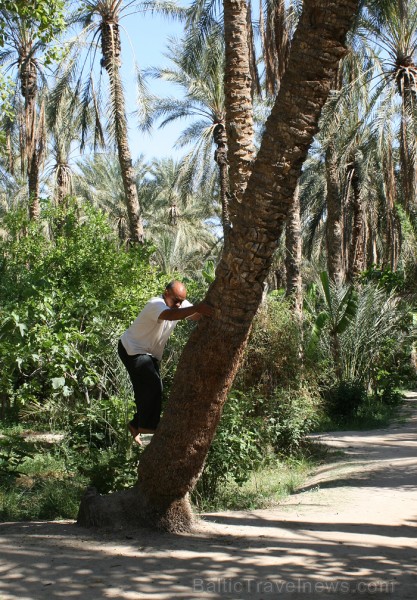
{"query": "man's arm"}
(194, 312)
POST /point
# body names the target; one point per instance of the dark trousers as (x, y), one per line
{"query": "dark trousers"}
(144, 374)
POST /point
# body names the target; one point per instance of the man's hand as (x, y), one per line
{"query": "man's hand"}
(204, 309)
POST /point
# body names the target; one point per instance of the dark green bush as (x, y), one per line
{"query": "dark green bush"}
(343, 400)
(292, 414)
(272, 358)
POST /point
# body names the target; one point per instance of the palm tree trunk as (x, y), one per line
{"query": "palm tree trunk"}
(293, 254)
(356, 257)
(220, 156)
(391, 237)
(238, 97)
(63, 185)
(111, 59)
(28, 86)
(171, 464)
(334, 223)
(408, 159)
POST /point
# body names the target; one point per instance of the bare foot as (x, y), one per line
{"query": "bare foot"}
(135, 434)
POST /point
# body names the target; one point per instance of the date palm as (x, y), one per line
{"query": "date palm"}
(23, 52)
(98, 180)
(64, 123)
(201, 80)
(177, 221)
(394, 27)
(100, 35)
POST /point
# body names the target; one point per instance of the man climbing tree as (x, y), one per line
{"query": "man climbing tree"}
(262, 190)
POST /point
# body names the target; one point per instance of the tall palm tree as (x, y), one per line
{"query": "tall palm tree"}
(22, 52)
(64, 123)
(98, 180)
(178, 222)
(202, 81)
(293, 254)
(394, 27)
(100, 20)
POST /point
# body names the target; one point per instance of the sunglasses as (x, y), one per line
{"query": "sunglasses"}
(177, 300)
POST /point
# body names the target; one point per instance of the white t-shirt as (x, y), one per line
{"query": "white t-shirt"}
(148, 334)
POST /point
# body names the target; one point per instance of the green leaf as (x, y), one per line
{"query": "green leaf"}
(350, 304)
(317, 329)
(325, 282)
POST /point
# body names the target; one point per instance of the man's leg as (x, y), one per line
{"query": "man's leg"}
(147, 386)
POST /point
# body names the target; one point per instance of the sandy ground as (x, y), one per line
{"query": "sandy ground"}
(350, 532)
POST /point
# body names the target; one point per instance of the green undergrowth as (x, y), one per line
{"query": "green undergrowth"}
(45, 482)
(264, 488)
(371, 415)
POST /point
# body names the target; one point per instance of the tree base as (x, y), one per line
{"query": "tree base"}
(129, 509)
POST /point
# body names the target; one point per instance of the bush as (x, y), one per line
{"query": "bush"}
(272, 356)
(237, 449)
(65, 299)
(371, 348)
(292, 415)
(343, 400)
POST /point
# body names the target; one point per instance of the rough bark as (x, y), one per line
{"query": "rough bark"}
(408, 164)
(391, 233)
(334, 222)
(31, 137)
(171, 464)
(111, 49)
(63, 182)
(220, 156)
(356, 261)
(238, 97)
(276, 44)
(293, 251)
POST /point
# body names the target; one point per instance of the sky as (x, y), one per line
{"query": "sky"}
(144, 39)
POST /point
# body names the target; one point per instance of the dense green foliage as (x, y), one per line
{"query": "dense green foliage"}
(47, 14)
(64, 300)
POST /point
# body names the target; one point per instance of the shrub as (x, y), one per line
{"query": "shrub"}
(272, 357)
(291, 415)
(237, 449)
(65, 299)
(375, 339)
(343, 400)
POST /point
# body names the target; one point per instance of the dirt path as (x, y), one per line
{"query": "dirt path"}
(350, 533)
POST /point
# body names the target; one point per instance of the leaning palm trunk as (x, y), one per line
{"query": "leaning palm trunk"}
(111, 60)
(172, 463)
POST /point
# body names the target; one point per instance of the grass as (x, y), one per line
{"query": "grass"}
(35, 482)
(264, 488)
(39, 483)
(371, 415)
